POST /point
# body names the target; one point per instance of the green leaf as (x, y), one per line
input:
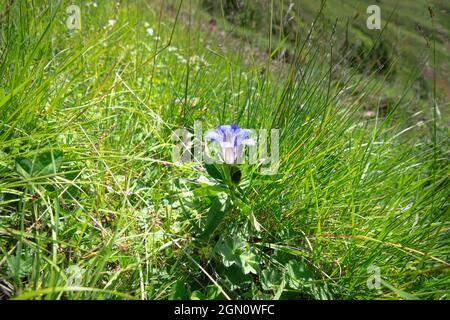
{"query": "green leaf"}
(209, 190)
(197, 295)
(213, 292)
(178, 291)
(236, 251)
(219, 208)
(405, 295)
(280, 290)
(250, 261)
(213, 171)
(228, 248)
(42, 164)
(235, 277)
(298, 273)
(20, 265)
(247, 210)
(72, 191)
(270, 279)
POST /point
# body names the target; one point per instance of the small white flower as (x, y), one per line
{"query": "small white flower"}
(111, 22)
(150, 31)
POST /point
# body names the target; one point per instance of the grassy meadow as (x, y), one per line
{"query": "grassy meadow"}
(93, 205)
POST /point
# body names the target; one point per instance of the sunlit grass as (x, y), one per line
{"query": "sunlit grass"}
(87, 178)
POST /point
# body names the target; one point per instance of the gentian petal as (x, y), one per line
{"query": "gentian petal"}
(226, 144)
(224, 128)
(214, 136)
(231, 138)
(241, 136)
(229, 155)
(244, 133)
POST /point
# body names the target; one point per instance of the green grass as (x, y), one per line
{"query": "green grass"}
(87, 179)
(406, 40)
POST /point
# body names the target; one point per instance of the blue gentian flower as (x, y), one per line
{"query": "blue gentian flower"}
(231, 139)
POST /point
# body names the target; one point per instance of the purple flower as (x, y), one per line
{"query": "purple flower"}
(230, 138)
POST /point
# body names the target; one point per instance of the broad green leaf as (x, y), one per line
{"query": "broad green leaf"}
(228, 248)
(235, 277)
(235, 250)
(298, 273)
(42, 164)
(219, 208)
(197, 295)
(178, 291)
(270, 279)
(249, 261)
(213, 171)
(212, 293)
